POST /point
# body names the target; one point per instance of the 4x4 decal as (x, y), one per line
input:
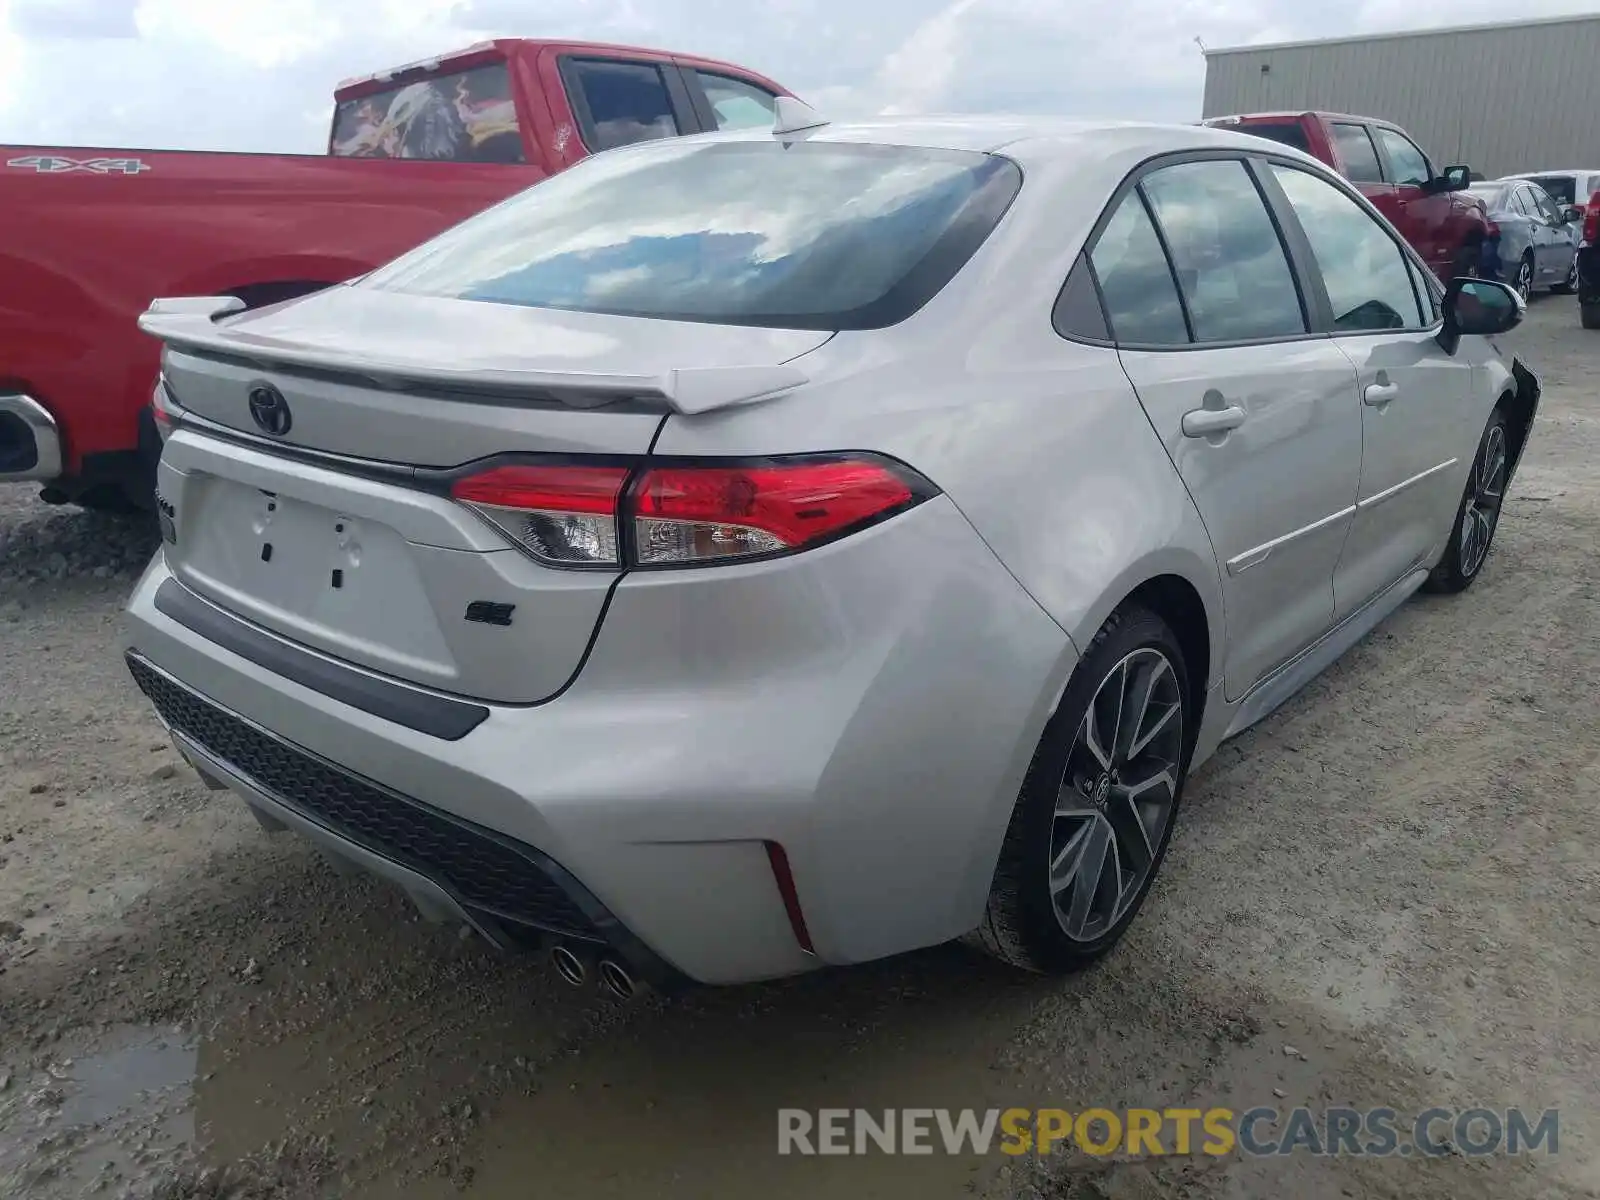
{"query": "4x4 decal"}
(55, 164)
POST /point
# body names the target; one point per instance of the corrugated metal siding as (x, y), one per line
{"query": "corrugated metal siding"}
(1503, 100)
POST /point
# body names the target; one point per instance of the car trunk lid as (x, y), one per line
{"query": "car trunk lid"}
(334, 527)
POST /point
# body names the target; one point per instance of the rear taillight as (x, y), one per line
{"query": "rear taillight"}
(686, 513)
(163, 410)
(1591, 220)
(562, 515)
(702, 513)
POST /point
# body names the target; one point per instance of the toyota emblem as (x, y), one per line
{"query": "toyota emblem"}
(269, 410)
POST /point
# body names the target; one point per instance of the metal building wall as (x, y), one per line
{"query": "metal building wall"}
(1502, 99)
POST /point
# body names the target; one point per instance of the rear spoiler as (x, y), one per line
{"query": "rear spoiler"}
(190, 322)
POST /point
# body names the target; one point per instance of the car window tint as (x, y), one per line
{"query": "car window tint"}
(463, 116)
(1141, 299)
(1287, 133)
(736, 104)
(1410, 164)
(1562, 188)
(1547, 208)
(1078, 313)
(1356, 153)
(1516, 204)
(1365, 272)
(1226, 252)
(627, 102)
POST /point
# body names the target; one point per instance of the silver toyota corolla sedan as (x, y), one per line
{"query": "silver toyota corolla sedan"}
(748, 553)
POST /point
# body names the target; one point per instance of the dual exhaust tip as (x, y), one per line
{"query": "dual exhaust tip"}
(573, 968)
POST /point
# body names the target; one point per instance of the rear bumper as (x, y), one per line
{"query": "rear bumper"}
(871, 707)
(30, 441)
(1589, 275)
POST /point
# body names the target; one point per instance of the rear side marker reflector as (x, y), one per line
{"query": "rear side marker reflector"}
(778, 858)
(686, 514)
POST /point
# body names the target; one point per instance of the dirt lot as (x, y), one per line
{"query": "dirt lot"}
(1387, 894)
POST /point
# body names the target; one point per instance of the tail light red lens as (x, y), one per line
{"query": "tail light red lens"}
(1591, 220)
(685, 514)
(700, 514)
(562, 515)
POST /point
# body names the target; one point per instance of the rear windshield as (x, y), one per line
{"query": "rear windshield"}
(801, 235)
(466, 116)
(1289, 133)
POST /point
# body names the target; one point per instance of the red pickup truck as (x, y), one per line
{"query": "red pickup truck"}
(91, 235)
(1452, 232)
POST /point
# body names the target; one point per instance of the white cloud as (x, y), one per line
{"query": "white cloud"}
(225, 74)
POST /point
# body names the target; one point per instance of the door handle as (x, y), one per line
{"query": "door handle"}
(1380, 393)
(1207, 422)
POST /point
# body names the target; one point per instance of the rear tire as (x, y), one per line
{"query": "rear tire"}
(1096, 812)
(1478, 514)
(1524, 279)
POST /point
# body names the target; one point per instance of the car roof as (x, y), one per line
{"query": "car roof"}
(1026, 139)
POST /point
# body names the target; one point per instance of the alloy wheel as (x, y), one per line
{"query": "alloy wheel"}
(1117, 795)
(1481, 513)
(1525, 279)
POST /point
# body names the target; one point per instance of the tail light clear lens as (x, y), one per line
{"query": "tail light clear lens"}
(687, 513)
(562, 515)
(700, 514)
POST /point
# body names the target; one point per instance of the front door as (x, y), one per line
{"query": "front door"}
(1258, 416)
(1384, 322)
(1424, 215)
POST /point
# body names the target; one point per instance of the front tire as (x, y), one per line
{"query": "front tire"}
(1478, 515)
(1569, 285)
(1091, 825)
(1589, 314)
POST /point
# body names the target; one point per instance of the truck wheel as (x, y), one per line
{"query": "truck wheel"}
(1589, 314)
(1466, 261)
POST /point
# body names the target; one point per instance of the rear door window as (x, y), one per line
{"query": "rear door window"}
(1230, 263)
(1356, 153)
(1141, 297)
(465, 116)
(736, 104)
(620, 103)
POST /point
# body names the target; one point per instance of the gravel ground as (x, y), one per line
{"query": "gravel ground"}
(1383, 895)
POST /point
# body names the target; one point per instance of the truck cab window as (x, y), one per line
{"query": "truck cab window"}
(464, 116)
(1356, 153)
(620, 103)
(736, 104)
(1410, 165)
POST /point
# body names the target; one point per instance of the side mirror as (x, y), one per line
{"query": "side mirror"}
(1454, 179)
(1571, 213)
(1479, 306)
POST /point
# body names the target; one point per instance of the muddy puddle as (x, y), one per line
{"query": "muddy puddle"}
(94, 1114)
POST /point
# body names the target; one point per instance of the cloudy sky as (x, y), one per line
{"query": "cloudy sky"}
(258, 74)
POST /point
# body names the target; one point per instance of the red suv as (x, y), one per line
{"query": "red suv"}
(1451, 231)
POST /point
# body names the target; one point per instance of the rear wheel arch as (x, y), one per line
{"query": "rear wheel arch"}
(1177, 602)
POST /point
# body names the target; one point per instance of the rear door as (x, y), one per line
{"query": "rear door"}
(1258, 415)
(1412, 392)
(1424, 219)
(1358, 162)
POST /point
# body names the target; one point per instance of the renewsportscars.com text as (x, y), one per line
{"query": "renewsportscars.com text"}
(1258, 1132)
